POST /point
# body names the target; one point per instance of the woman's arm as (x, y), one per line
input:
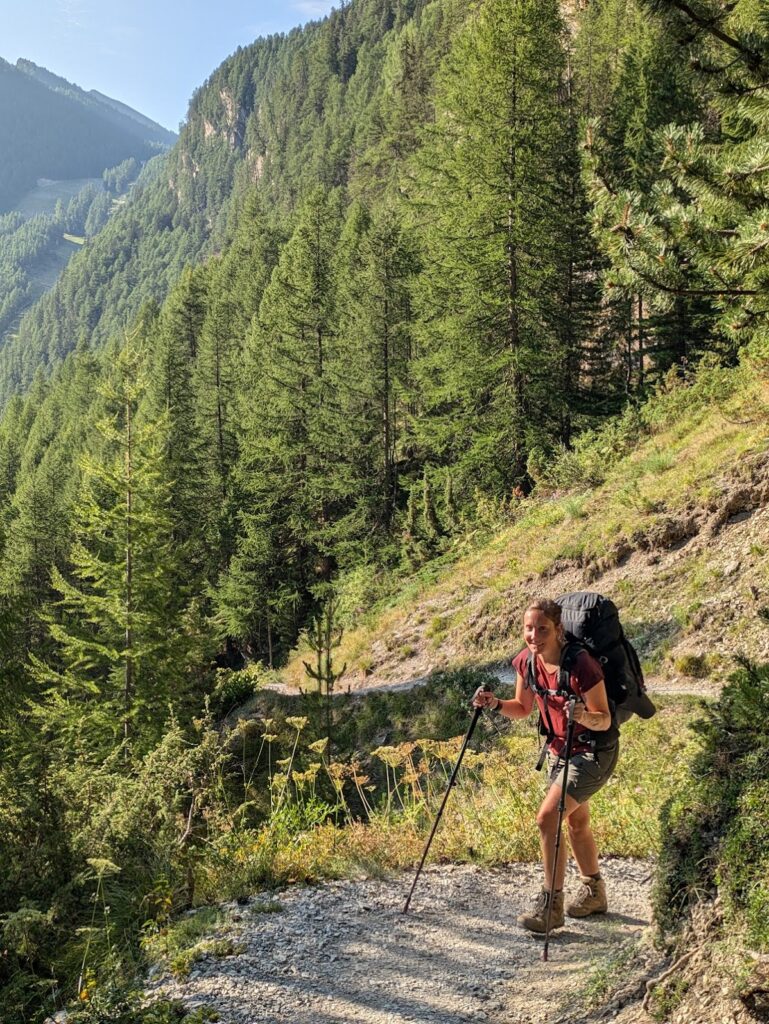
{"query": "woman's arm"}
(520, 706)
(594, 713)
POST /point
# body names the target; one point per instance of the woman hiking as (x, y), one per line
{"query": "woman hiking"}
(594, 753)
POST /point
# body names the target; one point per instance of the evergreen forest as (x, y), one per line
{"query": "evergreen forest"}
(398, 264)
(27, 244)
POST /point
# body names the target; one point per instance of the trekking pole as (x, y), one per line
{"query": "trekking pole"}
(473, 723)
(561, 809)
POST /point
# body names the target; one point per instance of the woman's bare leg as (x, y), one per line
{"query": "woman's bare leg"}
(547, 822)
(582, 842)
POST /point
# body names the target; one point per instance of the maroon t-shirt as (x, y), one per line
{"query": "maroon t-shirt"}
(584, 674)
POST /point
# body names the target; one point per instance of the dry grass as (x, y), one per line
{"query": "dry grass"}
(490, 817)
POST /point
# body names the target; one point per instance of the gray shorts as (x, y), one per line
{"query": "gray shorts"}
(587, 772)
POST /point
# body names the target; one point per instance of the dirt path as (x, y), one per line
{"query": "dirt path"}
(344, 953)
(709, 688)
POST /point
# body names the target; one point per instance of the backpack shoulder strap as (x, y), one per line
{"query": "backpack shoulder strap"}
(545, 724)
(531, 674)
(568, 657)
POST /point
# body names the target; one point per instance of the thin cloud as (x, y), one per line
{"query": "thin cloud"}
(73, 13)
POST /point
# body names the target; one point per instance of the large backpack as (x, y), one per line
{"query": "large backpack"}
(592, 621)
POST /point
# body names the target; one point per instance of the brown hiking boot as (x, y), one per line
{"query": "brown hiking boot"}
(536, 921)
(590, 899)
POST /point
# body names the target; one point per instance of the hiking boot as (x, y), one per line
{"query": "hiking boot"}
(536, 920)
(590, 899)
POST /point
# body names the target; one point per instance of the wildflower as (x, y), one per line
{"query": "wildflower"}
(296, 722)
(391, 756)
(319, 746)
(102, 866)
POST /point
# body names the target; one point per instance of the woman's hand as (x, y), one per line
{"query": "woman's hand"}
(483, 698)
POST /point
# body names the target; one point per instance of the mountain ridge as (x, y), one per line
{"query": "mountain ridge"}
(105, 105)
(59, 134)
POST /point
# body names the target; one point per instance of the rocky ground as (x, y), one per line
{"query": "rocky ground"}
(344, 952)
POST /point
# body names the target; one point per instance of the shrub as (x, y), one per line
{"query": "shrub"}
(694, 665)
(233, 688)
(716, 830)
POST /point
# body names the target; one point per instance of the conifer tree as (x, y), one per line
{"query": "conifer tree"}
(488, 204)
(697, 237)
(185, 309)
(225, 376)
(121, 653)
(214, 379)
(169, 400)
(38, 538)
(46, 482)
(376, 267)
(291, 436)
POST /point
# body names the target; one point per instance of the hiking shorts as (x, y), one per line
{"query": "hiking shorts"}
(587, 772)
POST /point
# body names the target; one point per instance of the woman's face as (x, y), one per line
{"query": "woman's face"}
(540, 634)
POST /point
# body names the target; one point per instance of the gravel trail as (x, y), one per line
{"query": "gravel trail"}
(344, 953)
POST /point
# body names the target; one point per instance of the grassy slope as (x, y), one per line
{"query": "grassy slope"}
(45, 271)
(43, 198)
(675, 532)
(680, 503)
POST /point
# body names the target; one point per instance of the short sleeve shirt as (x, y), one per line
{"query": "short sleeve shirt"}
(585, 673)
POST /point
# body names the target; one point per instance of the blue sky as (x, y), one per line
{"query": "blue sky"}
(148, 54)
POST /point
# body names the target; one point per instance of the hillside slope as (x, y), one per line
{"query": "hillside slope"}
(49, 133)
(665, 512)
(288, 112)
(117, 113)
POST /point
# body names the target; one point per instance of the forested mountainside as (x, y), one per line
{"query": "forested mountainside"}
(35, 248)
(48, 132)
(398, 266)
(289, 111)
(120, 114)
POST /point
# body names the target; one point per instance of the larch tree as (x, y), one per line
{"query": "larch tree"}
(487, 204)
(376, 268)
(290, 436)
(698, 237)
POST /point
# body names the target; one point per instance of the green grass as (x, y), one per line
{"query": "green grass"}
(620, 490)
(179, 944)
(605, 973)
